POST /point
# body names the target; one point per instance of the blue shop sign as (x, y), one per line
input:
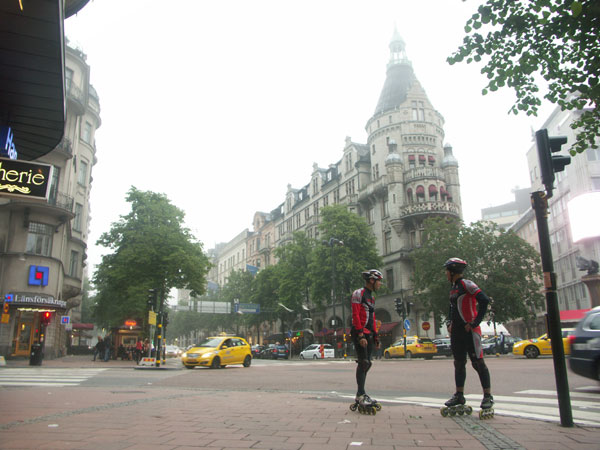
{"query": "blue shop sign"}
(7, 144)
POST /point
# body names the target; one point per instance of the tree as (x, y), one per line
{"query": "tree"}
(357, 254)
(150, 249)
(506, 267)
(557, 39)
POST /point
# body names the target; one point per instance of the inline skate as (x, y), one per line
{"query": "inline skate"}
(365, 405)
(456, 405)
(487, 407)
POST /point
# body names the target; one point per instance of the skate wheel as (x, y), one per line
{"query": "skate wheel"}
(469, 410)
(461, 412)
(378, 406)
(373, 410)
(444, 411)
(353, 407)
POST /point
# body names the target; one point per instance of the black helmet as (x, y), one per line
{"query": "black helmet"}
(372, 274)
(455, 265)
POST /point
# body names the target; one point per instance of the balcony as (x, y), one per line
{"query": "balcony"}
(65, 147)
(377, 188)
(430, 208)
(422, 173)
(77, 98)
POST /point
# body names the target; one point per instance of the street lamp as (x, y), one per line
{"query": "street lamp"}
(332, 242)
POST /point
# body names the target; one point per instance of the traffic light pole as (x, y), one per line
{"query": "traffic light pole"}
(539, 203)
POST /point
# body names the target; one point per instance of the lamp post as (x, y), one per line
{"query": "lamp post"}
(331, 243)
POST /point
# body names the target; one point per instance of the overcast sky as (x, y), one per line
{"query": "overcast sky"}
(220, 104)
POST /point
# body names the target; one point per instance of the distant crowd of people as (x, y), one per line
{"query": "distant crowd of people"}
(103, 350)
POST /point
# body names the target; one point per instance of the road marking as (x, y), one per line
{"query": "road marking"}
(39, 376)
(553, 393)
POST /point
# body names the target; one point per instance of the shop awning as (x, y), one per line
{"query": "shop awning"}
(421, 157)
(431, 158)
(83, 326)
(420, 190)
(411, 157)
(432, 189)
(387, 327)
(572, 315)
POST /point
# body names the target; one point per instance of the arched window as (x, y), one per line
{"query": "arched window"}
(433, 192)
(420, 193)
(443, 193)
(409, 196)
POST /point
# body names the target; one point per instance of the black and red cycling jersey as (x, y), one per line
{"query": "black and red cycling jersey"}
(468, 303)
(363, 312)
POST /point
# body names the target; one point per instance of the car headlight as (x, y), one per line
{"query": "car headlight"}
(184, 355)
(207, 355)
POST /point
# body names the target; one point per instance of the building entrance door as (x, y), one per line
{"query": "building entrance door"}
(23, 335)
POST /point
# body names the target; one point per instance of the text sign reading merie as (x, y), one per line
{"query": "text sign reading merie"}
(24, 179)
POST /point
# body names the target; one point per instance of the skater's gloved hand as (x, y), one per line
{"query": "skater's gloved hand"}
(468, 327)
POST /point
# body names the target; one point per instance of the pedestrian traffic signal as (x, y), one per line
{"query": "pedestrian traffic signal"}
(165, 318)
(46, 317)
(407, 306)
(5, 308)
(549, 163)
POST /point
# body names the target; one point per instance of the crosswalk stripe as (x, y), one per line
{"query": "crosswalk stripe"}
(547, 401)
(553, 393)
(45, 376)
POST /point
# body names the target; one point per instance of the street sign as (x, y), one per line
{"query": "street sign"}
(65, 320)
(151, 318)
(426, 326)
(406, 324)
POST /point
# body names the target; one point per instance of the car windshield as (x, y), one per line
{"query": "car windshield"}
(210, 342)
(425, 341)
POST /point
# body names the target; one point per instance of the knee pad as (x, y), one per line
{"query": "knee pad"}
(364, 365)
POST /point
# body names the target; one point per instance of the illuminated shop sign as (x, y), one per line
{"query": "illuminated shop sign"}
(38, 275)
(24, 179)
(39, 300)
(7, 144)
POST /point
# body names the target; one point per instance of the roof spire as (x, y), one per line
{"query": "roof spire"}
(398, 50)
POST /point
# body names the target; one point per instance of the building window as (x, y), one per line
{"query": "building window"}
(409, 196)
(385, 207)
(336, 196)
(370, 215)
(306, 213)
(74, 264)
(349, 162)
(68, 78)
(315, 185)
(325, 200)
(373, 149)
(86, 133)
(39, 239)
(316, 208)
(387, 242)
(389, 274)
(82, 172)
(77, 219)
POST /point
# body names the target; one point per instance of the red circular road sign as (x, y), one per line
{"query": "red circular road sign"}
(426, 326)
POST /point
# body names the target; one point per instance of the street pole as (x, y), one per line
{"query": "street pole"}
(539, 203)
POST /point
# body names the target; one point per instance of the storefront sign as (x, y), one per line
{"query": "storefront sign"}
(25, 179)
(38, 275)
(130, 323)
(7, 144)
(39, 300)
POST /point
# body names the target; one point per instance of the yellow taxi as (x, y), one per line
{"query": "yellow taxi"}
(416, 347)
(532, 348)
(217, 352)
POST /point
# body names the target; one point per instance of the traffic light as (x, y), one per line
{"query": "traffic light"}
(407, 306)
(5, 308)
(399, 305)
(151, 302)
(46, 317)
(550, 164)
(165, 318)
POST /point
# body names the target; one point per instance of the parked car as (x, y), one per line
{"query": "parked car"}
(489, 346)
(217, 352)
(443, 347)
(276, 351)
(415, 347)
(173, 351)
(532, 348)
(256, 349)
(585, 346)
(313, 351)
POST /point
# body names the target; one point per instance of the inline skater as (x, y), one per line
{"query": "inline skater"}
(468, 305)
(364, 337)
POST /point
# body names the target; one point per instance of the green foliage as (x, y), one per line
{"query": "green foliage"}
(506, 267)
(359, 253)
(557, 39)
(150, 249)
(294, 271)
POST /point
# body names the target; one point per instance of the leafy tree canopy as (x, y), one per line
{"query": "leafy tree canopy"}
(150, 249)
(506, 267)
(357, 254)
(557, 39)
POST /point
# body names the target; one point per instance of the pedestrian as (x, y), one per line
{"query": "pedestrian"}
(502, 342)
(139, 349)
(468, 305)
(99, 348)
(364, 333)
(107, 345)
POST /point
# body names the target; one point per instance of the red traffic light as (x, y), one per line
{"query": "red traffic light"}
(46, 317)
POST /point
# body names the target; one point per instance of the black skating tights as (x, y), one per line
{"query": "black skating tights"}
(362, 368)
(460, 372)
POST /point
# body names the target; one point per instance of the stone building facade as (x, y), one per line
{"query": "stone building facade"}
(50, 237)
(404, 174)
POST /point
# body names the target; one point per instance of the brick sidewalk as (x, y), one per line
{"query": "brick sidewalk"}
(155, 417)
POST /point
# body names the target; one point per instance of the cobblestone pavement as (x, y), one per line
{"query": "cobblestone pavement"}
(175, 418)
